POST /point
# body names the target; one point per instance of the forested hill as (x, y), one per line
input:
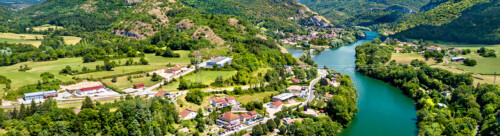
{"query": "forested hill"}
(4, 12)
(471, 21)
(364, 12)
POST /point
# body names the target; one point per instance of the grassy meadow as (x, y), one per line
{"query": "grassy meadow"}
(123, 83)
(406, 58)
(32, 76)
(46, 27)
(208, 78)
(33, 39)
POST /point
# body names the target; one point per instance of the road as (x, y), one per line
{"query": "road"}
(322, 74)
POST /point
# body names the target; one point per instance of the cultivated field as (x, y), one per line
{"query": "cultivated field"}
(33, 39)
(46, 27)
(32, 76)
(406, 58)
(484, 65)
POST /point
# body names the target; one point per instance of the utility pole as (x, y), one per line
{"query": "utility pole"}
(198, 69)
(495, 78)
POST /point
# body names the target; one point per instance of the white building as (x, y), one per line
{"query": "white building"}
(188, 114)
(91, 90)
(219, 61)
(283, 97)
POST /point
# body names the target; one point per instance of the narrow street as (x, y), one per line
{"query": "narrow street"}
(321, 72)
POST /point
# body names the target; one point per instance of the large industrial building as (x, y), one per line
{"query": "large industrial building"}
(219, 61)
(40, 95)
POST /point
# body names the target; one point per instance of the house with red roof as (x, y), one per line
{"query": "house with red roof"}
(161, 94)
(139, 85)
(173, 70)
(228, 120)
(295, 80)
(223, 102)
(91, 90)
(276, 104)
(249, 116)
(188, 114)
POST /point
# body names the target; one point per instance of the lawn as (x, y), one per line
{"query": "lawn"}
(33, 39)
(122, 82)
(478, 78)
(473, 47)
(406, 58)
(207, 76)
(260, 70)
(32, 76)
(484, 65)
(256, 96)
(183, 104)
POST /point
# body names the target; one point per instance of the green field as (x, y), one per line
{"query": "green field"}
(33, 39)
(484, 65)
(46, 27)
(406, 58)
(32, 76)
(256, 96)
(123, 83)
(473, 47)
(208, 78)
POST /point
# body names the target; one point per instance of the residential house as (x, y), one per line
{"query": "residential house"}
(228, 120)
(295, 80)
(188, 114)
(310, 112)
(446, 93)
(295, 89)
(276, 104)
(249, 116)
(91, 90)
(173, 70)
(161, 94)
(139, 85)
(228, 101)
(289, 121)
(432, 48)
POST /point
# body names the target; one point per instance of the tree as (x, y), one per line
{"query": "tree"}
(257, 131)
(377, 41)
(134, 128)
(183, 85)
(277, 121)
(114, 79)
(200, 122)
(155, 77)
(143, 61)
(282, 129)
(87, 103)
(271, 125)
(89, 58)
(470, 62)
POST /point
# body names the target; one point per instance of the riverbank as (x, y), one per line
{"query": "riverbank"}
(383, 109)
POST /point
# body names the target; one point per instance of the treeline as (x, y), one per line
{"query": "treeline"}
(438, 113)
(134, 116)
(469, 21)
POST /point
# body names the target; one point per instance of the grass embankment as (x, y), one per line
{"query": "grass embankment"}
(207, 76)
(33, 39)
(32, 76)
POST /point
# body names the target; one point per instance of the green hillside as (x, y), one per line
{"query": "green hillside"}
(470, 21)
(363, 12)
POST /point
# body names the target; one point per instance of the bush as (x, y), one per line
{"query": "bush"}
(470, 62)
(195, 96)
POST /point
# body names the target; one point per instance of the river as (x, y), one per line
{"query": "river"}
(383, 110)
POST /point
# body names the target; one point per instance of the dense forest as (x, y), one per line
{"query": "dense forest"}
(477, 20)
(133, 116)
(373, 13)
(439, 113)
(468, 21)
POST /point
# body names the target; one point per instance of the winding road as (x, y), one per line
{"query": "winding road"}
(322, 74)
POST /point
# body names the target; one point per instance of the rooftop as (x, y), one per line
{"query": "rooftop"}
(91, 88)
(186, 112)
(283, 96)
(229, 116)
